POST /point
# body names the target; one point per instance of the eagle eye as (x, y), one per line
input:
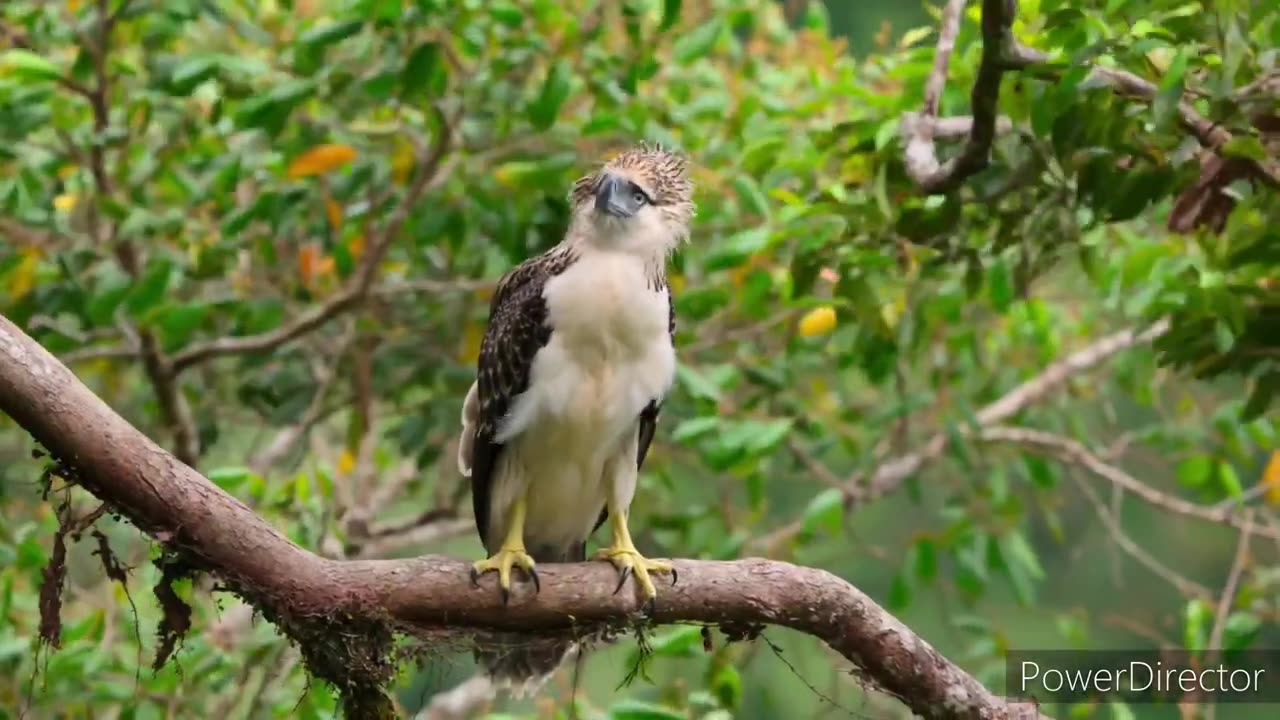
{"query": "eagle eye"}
(639, 197)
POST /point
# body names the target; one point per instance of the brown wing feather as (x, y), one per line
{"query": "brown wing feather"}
(517, 330)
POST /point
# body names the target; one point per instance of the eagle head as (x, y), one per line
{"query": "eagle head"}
(642, 199)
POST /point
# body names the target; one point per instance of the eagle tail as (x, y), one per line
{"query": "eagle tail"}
(521, 664)
(467, 441)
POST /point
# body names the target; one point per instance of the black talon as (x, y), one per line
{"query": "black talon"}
(651, 606)
(537, 584)
(475, 578)
(622, 579)
(506, 596)
(675, 576)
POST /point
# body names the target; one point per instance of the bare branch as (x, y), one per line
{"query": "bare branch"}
(1229, 590)
(1073, 452)
(999, 54)
(220, 535)
(861, 489)
(1186, 586)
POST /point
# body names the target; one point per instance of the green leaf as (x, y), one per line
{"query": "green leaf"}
(695, 427)
(150, 288)
(769, 435)
(1264, 392)
(748, 191)
(1000, 285)
(1229, 479)
(230, 478)
(697, 384)
(1198, 619)
(926, 566)
(555, 90)
(1240, 631)
(1165, 105)
(698, 42)
(178, 322)
(825, 511)
(192, 71)
(330, 33)
(424, 72)
(678, 642)
(899, 592)
(26, 65)
(1245, 146)
(1195, 471)
(727, 685)
(670, 14)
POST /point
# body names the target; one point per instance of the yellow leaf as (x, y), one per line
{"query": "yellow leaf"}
(677, 282)
(818, 321)
(334, 212)
(402, 162)
(23, 277)
(67, 170)
(74, 5)
(1271, 479)
(65, 201)
(471, 339)
(346, 462)
(321, 159)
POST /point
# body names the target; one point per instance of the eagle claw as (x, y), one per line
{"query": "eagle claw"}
(503, 561)
(630, 563)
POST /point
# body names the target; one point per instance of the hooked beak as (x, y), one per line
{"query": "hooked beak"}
(615, 197)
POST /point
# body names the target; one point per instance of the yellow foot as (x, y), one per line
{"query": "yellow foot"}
(630, 562)
(503, 561)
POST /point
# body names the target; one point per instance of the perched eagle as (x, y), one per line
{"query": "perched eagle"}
(574, 365)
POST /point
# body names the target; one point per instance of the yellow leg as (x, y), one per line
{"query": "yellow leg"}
(510, 554)
(624, 556)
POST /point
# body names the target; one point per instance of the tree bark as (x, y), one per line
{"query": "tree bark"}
(96, 448)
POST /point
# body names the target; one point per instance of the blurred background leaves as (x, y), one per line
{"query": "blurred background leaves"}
(266, 233)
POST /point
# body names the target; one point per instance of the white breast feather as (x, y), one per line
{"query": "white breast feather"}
(610, 354)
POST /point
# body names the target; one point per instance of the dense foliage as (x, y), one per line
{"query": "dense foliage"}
(266, 233)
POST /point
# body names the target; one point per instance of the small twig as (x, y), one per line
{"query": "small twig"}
(389, 545)
(1186, 586)
(1075, 453)
(1229, 591)
(861, 488)
(813, 464)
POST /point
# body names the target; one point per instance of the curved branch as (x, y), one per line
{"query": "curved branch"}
(220, 534)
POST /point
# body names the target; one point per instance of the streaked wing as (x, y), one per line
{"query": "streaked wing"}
(517, 330)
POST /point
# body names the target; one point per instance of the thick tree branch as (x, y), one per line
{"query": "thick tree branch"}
(999, 54)
(219, 534)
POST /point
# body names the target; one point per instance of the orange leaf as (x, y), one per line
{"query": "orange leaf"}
(321, 159)
(1271, 479)
(308, 259)
(355, 246)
